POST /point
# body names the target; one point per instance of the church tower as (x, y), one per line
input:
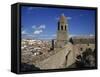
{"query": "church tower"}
(62, 31)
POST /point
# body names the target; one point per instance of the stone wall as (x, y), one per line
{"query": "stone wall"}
(62, 59)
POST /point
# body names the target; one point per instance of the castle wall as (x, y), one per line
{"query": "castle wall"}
(62, 59)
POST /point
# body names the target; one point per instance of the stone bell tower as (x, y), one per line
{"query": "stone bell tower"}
(62, 32)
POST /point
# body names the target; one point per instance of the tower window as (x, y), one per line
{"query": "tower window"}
(61, 27)
(65, 27)
(58, 26)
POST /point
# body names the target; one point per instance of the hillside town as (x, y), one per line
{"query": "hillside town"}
(62, 52)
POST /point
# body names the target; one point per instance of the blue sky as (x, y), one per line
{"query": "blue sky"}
(41, 23)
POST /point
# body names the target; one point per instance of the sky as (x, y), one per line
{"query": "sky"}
(41, 23)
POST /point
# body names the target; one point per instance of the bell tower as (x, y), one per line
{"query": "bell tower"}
(62, 31)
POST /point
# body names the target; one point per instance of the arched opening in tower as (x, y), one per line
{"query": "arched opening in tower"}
(65, 27)
(58, 27)
(61, 27)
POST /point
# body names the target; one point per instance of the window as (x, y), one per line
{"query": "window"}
(65, 27)
(61, 27)
(58, 26)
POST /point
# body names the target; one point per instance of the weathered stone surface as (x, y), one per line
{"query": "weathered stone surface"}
(62, 32)
(58, 60)
(60, 53)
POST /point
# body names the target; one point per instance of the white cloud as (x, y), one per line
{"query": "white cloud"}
(34, 26)
(30, 35)
(91, 35)
(38, 31)
(41, 27)
(47, 35)
(69, 18)
(24, 32)
(73, 35)
(54, 35)
(57, 18)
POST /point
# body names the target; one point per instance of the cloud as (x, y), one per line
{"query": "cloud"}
(24, 32)
(91, 35)
(57, 18)
(69, 18)
(73, 35)
(41, 27)
(54, 35)
(48, 35)
(26, 35)
(81, 35)
(38, 31)
(34, 26)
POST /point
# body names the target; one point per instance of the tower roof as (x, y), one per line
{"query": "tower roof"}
(62, 17)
